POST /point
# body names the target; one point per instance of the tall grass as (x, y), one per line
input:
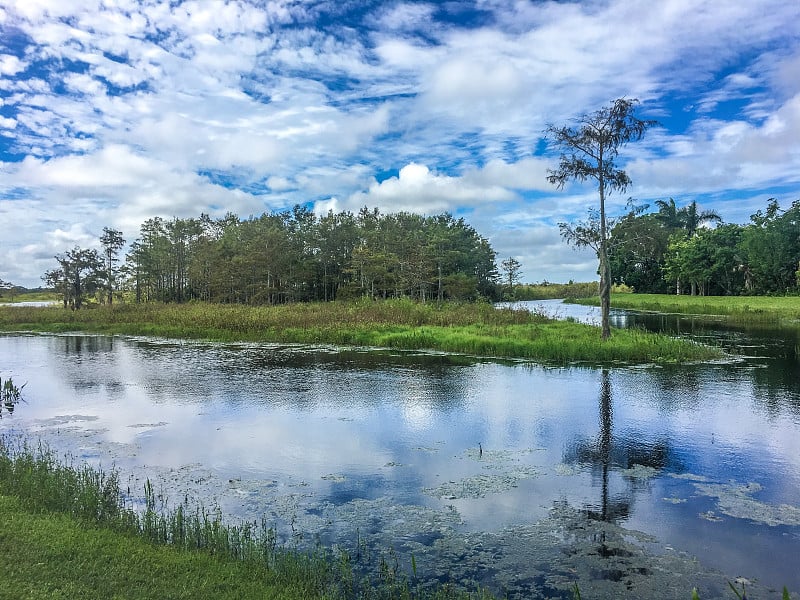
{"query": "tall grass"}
(548, 291)
(46, 484)
(471, 328)
(10, 395)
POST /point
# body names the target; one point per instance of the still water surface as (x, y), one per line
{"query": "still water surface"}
(636, 481)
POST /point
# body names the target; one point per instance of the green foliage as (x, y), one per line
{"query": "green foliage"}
(551, 291)
(78, 276)
(296, 256)
(637, 249)
(23, 295)
(112, 242)
(470, 328)
(511, 274)
(649, 251)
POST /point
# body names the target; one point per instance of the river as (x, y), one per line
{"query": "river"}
(638, 481)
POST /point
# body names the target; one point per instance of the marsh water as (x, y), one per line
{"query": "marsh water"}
(638, 481)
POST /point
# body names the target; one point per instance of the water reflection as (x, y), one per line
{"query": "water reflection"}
(630, 455)
(383, 447)
(84, 345)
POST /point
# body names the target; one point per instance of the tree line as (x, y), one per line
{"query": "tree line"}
(671, 251)
(287, 256)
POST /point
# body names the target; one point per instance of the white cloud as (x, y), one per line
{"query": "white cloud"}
(10, 65)
(526, 174)
(717, 155)
(314, 112)
(417, 189)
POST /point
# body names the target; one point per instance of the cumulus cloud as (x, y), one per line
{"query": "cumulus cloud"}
(116, 112)
(418, 189)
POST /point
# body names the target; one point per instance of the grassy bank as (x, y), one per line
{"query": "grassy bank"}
(31, 296)
(67, 532)
(475, 329)
(756, 309)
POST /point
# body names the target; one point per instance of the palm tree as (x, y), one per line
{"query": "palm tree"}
(688, 218)
(692, 218)
(668, 214)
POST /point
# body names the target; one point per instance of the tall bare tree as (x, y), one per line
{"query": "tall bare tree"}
(589, 150)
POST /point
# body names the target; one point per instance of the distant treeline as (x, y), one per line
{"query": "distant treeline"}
(288, 256)
(669, 251)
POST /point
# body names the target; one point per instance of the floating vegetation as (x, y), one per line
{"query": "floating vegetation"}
(541, 559)
(478, 486)
(640, 472)
(565, 470)
(687, 476)
(709, 515)
(737, 501)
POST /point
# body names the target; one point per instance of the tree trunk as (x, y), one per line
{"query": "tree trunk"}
(605, 268)
(605, 295)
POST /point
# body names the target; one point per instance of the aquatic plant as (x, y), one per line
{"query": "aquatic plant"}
(10, 394)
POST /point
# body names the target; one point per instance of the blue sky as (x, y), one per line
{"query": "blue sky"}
(115, 111)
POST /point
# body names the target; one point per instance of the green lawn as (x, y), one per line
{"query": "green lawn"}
(52, 555)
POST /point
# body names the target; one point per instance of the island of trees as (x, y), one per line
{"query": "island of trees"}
(288, 256)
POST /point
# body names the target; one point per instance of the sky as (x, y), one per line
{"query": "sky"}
(116, 111)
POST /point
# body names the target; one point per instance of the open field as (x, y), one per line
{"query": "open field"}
(740, 308)
(474, 329)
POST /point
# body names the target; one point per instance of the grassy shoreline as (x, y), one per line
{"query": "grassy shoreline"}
(754, 309)
(472, 329)
(69, 532)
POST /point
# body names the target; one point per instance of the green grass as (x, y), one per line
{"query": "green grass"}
(67, 532)
(52, 555)
(755, 309)
(475, 329)
(37, 296)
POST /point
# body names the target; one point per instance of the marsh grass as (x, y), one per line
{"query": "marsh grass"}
(95, 544)
(10, 395)
(29, 296)
(472, 328)
(739, 309)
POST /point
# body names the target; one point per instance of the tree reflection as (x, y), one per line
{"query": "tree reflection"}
(86, 344)
(607, 452)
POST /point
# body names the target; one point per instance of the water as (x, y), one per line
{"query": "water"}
(509, 474)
